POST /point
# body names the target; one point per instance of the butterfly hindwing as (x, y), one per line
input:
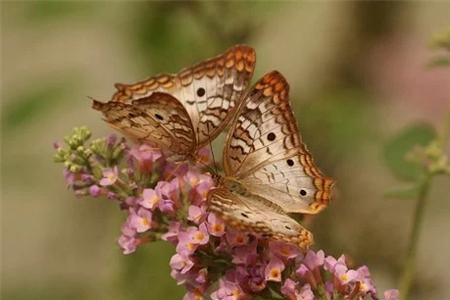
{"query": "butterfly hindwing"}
(265, 153)
(158, 119)
(252, 215)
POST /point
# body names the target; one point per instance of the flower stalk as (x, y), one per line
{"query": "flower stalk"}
(410, 261)
(168, 201)
(434, 161)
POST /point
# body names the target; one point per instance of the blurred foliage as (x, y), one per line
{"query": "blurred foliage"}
(47, 11)
(398, 148)
(340, 123)
(141, 273)
(162, 30)
(28, 106)
(441, 42)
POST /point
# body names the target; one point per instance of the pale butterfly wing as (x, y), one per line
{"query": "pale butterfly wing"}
(210, 91)
(159, 120)
(264, 151)
(254, 215)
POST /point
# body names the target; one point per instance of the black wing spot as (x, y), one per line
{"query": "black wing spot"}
(159, 117)
(290, 162)
(287, 227)
(303, 192)
(244, 215)
(271, 136)
(201, 92)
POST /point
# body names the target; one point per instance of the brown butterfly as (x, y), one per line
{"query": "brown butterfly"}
(182, 112)
(269, 173)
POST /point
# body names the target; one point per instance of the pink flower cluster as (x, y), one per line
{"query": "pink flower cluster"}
(168, 201)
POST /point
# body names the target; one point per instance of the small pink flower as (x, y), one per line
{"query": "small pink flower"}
(145, 156)
(141, 220)
(128, 244)
(196, 214)
(176, 170)
(185, 244)
(306, 293)
(216, 226)
(366, 286)
(200, 236)
(314, 260)
(111, 140)
(192, 178)
(289, 289)
(228, 291)
(252, 277)
(69, 177)
(169, 190)
(284, 250)
(127, 240)
(330, 262)
(302, 270)
(110, 176)
(344, 275)
(194, 295)
(167, 206)
(273, 269)
(236, 238)
(202, 276)
(365, 282)
(181, 263)
(245, 254)
(95, 190)
(172, 234)
(204, 155)
(200, 191)
(391, 294)
(150, 199)
(128, 230)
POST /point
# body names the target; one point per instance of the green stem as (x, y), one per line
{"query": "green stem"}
(409, 266)
(445, 133)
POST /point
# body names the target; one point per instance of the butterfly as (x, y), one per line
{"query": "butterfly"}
(182, 112)
(269, 173)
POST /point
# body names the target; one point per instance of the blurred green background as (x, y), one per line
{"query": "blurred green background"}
(358, 75)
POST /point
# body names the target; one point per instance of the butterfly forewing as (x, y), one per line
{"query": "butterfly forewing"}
(264, 151)
(210, 91)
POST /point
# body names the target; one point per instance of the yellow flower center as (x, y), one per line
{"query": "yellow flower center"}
(154, 199)
(236, 293)
(190, 246)
(275, 273)
(145, 221)
(199, 236)
(343, 277)
(217, 228)
(363, 287)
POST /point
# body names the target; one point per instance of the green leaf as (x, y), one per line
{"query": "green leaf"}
(439, 61)
(399, 146)
(406, 192)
